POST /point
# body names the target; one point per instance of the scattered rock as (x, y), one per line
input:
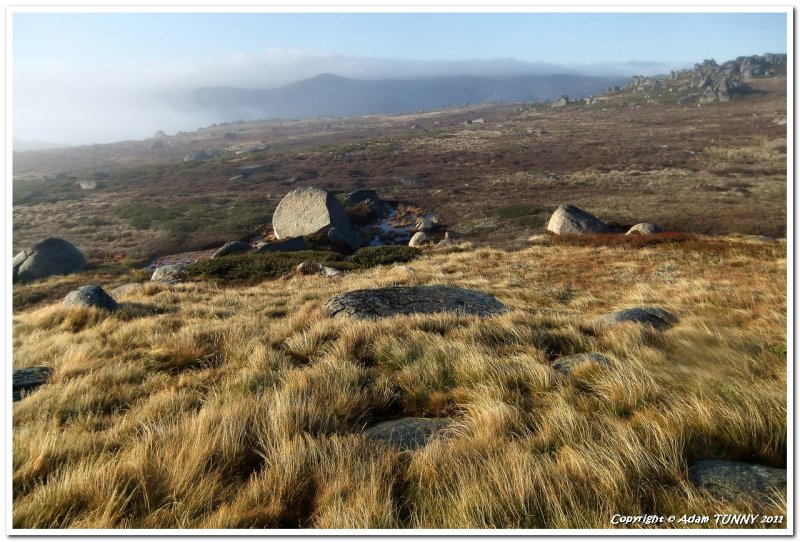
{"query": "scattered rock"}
(644, 228)
(425, 224)
(232, 248)
(292, 244)
(252, 169)
(87, 185)
(732, 480)
(358, 196)
(316, 268)
(412, 182)
(568, 219)
(780, 121)
(125, 289)
(656, 317)
(28, 379)
(89, 296)
(199, 156)
(567, 363)
(408, 434)
(418, 239)
(236, 178)
(307, 210)
(402, 269)
(49, 257)
(561, 101)
(346, 238)
(169, 273)
(401, 300)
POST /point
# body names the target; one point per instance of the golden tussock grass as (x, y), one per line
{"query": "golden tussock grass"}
(203, 406)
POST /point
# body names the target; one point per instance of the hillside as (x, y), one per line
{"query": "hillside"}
(331, 95)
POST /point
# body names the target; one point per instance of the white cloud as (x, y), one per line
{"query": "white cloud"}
(82, 103)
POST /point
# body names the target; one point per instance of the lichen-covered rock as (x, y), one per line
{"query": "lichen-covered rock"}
(567, 364)
(28, 379)
(656, 317)
(733, 480)
(307, 210)
(644, 228)
(408, 434)
(232, 248)
(568, 219)
(89, 296)
(46, 258)
(401, 300)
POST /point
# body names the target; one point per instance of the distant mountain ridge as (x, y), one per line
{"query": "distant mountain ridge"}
(333, 95)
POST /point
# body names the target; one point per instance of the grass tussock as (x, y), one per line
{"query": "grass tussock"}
(244, 406)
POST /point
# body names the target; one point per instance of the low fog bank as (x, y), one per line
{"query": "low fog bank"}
(98, 103)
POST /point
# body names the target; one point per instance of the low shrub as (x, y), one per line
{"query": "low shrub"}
(251, 266)
(383, 255)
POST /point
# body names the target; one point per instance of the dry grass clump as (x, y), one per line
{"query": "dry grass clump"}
(204, 406)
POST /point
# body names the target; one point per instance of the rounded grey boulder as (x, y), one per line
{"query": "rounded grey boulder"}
(402, 300)
(408, 434)
(733, 480)
(566, 364)
(169, 273)
(90, 295)
(644, 228)
(568, 219)
(49, 257)
(652, 316)
(307, 210)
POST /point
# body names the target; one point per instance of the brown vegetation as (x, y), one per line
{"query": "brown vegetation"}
(200, 405)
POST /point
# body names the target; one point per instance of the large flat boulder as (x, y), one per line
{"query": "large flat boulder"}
(49, 257)
(307, 210)
(400, 300)
(568, 219)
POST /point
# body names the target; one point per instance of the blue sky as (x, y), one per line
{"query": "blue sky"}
(548, 37)
(98, 77)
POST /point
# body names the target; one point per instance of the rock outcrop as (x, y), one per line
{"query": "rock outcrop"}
(568, 219)
(403, 300)
(90, 296)
(46, 258)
